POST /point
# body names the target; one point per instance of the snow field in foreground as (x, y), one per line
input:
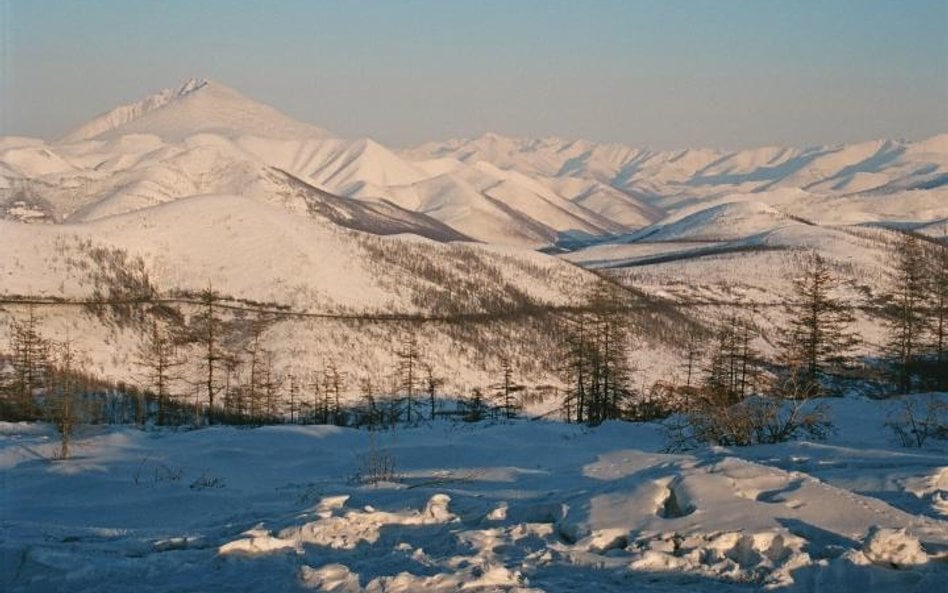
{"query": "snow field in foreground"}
(529, 506)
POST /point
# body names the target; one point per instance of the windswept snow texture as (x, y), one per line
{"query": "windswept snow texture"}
(531, 506)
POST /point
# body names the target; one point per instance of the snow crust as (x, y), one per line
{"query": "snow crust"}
(527, 506)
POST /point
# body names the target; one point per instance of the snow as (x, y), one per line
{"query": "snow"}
(525, 506)
(198, 105)
(204, 138)
(728, 221)
(893, 547)
(199, 185)
(676, 180)
(245, 249)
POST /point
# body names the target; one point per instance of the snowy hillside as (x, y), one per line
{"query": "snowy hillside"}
(729, 221)
(248, 251)
(259, 252)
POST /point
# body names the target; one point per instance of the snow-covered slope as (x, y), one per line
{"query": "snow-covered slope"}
(724, 222)
(518, 507)
(255, 251)
(328, 294)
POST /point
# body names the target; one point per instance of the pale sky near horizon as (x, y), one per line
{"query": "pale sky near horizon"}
(665, 74)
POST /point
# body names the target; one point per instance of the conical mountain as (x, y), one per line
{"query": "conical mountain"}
(197, 106)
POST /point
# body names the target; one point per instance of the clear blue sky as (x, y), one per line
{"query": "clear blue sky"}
(663, 73)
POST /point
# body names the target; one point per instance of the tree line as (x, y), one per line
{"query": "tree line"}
(233, 378)
(731, 393)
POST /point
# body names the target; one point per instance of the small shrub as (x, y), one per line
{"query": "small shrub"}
(375, 466)
(751, 421)
(914, 422)
(162, 473)
(205, 481)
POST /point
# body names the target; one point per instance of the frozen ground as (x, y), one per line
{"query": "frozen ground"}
(531, 506)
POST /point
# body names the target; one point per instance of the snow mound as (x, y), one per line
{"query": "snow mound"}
(766, 557)
(893, 547)
(339, 578)
(339, 531)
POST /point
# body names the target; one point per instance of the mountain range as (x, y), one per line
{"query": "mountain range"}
(206, 138)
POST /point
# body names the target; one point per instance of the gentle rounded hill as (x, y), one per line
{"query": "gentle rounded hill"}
(724, 222)
(251, 250)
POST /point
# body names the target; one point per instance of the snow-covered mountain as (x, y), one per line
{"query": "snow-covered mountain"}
(205, 138)
(197, 106)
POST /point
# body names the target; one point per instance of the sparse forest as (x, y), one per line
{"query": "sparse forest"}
(207, 360)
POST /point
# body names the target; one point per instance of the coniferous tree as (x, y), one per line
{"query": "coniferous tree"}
(271, 385)
(505, 392)
(334, 386)
(63, 391)
(254, 354)
(372, 415)
(611, 371)
(596, 367)
(30, 358)
(732, 364)
(579, 358)
(693, 353)
(907, 311)
(319, 409)
(209, 334)
(818, 333)
(293, 392)
(938, 288)
(158, 357)
(432, 383)
(408, 371)
(234, 390)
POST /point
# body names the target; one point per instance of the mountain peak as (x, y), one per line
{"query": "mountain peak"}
(191, 85)
(198, 105)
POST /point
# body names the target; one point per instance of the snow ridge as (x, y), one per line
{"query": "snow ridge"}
(124, 114)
